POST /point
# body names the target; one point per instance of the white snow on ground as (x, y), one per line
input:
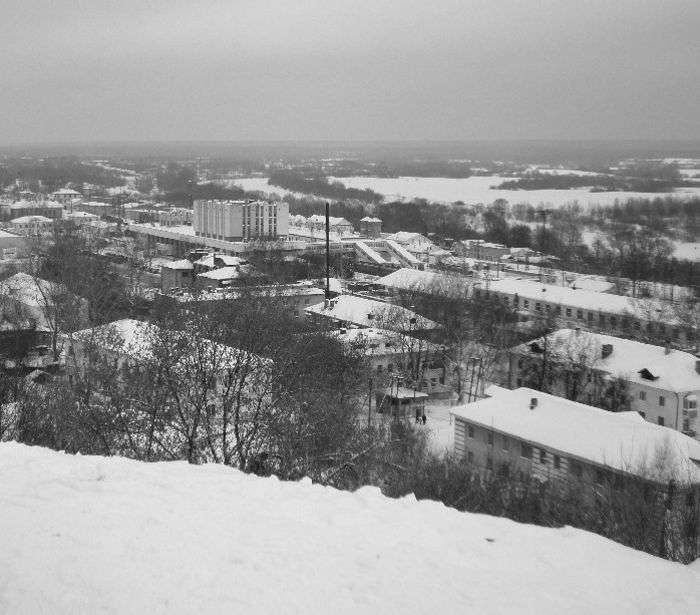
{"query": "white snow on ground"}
(688, 251)
(478, 189)
(109, 535)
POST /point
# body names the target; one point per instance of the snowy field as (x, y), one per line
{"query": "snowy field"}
(109, 535)
(478, 190)
(688, 250)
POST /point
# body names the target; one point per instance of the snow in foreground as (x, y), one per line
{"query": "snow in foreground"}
(93, 534)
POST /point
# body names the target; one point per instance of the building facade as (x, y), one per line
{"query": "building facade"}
(240, 220)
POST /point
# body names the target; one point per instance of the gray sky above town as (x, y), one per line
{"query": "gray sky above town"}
(351, 70)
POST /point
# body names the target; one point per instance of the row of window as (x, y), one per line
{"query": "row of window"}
(603, 319)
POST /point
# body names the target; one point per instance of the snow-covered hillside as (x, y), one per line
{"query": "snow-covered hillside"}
(93, 534)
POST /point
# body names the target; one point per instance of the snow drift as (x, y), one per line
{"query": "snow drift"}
(95, 534)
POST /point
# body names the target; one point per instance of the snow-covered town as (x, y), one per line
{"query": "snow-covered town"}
(418, 348)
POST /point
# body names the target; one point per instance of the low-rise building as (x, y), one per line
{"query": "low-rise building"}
(176, 274)
(480, 249)
(32, 225)
(660, 383)
(371, 227)
(12, 246)
(533, 435)
(393, 355)
(352, 311)
(66, 196)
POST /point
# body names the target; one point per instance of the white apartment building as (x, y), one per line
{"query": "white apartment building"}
(663, 384)
(643, 319)
(240, 220)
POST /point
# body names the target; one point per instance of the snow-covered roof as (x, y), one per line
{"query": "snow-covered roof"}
(183, 264)
(83, 533)
(29, 290)
(377, 342)
(408, 237)
(332, 220)
(81, 214)
(370, 219)
(227, 260)
(584, 299)
(6, 235)
(28, 219)
(426, 282)
(138, 339)
(224, 273)
(621, 440)
(65, 192)
(673, 371)
(370, 313)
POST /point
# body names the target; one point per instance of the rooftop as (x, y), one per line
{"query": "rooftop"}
(371, 313)
(138, 339)
(28, 219)
(620, 440)
(674, 371)
(183, 265)
(586, 299)
(426, 282)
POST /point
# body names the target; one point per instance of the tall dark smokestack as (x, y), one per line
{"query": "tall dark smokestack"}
(328, 251)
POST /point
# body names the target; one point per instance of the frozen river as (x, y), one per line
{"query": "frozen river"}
(479, 190)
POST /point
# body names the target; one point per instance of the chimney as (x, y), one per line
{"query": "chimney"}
(533, 403)
(606, 350)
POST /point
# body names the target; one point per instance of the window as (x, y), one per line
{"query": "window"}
(525, 451)
(662, 400)
(576, 468)
(470, 431)
(579, 314)
(557, 310)
(489, 438)
(637, 326)
(505, 444)
(538, 306)
(690, 404)
(470, 457)
(543, 456)
(601, 320)
(642, 395)
(568, 311)
(557, 462)
(590, 316)
(660, 420)
(526, 303)
(379, 369)
(613, 321)
(390, 367)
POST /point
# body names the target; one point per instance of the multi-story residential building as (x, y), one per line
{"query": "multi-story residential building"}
(413, 361)
(21, 209)
(660, 383)
(529, 434)
(642, 319)
(240, 220)
(32, 225)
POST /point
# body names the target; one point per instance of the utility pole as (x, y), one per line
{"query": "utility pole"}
(328, 251)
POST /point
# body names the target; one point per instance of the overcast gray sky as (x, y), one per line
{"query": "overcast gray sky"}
(356, 69)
